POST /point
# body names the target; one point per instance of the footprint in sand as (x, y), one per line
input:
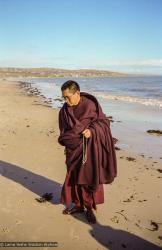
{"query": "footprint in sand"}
(149, 225)
(115, 219)
(134, 178)
(21, 202)
(130, 198)
(73, 235)
(142, 200)
(5, 230)
(18, 222)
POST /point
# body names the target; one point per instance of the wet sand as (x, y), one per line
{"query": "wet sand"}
(32, 163)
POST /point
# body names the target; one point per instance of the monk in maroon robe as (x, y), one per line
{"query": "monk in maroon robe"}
(90, 153)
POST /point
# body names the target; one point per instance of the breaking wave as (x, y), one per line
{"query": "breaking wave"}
(131, 99)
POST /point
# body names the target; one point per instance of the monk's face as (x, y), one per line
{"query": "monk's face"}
(71, 97)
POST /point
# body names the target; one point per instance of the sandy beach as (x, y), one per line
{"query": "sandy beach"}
(32, 163)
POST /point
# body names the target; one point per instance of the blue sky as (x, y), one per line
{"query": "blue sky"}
(117, 35)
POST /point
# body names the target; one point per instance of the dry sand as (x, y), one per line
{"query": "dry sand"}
(32, 163)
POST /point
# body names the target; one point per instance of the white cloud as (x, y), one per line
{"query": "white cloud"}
(151, 62)
(72, 62)
(148, 62)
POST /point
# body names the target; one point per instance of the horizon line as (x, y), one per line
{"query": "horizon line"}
(81, 69)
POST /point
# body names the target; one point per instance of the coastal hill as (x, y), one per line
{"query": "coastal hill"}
(54, 72)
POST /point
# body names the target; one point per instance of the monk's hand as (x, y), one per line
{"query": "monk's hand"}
(87, 133)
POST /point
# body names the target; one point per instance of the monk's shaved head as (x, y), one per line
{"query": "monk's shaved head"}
(71, 85)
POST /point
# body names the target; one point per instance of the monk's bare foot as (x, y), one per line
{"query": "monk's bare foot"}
(90, 216)
(73, 210)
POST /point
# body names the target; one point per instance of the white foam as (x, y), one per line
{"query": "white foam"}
(144, 101)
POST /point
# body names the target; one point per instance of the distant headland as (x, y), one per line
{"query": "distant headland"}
(54, 72)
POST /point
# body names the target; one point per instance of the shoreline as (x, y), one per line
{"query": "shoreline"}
(130, 120)
(32, 163)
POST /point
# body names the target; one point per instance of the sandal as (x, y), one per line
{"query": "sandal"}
(73, 210)
(90, 216)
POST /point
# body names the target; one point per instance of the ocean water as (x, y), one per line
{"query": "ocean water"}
(144, 90)
(134, 102)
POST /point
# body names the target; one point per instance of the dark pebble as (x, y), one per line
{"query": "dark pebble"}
(130, 158)
(153, 131)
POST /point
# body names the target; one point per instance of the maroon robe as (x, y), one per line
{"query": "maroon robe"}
(85, 181)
